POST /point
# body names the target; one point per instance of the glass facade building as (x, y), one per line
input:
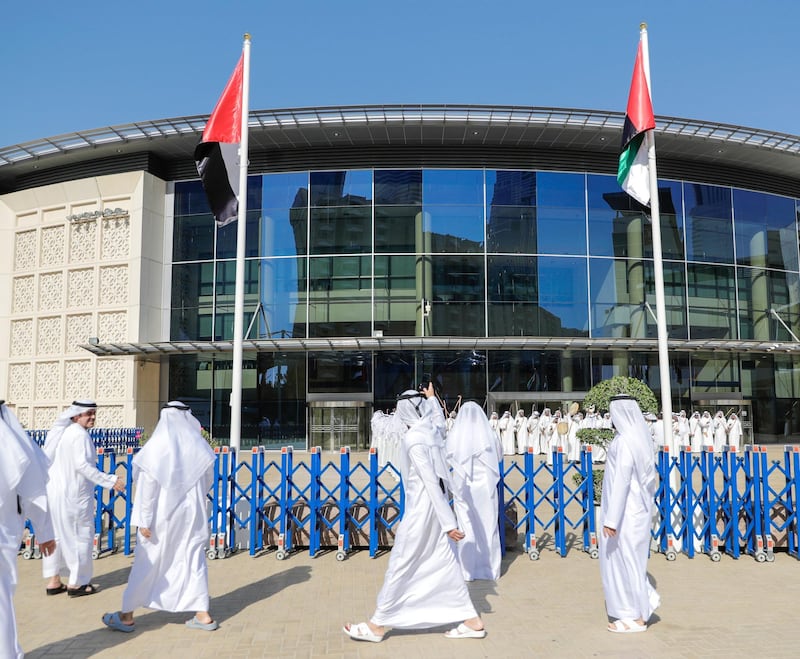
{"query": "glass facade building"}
(375, 279)
(488, 248)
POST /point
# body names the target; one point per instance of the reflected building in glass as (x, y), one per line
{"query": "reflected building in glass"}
(488, 249)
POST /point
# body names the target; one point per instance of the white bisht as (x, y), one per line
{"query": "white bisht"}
(423, 586)
(173, 472)
(23, 478)
(629, 487)
(474, 452)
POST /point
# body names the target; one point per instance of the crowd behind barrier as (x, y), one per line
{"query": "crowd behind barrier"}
(108, 439)
(707, 504)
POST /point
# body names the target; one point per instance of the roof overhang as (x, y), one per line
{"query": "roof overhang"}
(436, 343)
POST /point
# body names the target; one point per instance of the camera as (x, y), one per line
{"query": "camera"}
(426, 380)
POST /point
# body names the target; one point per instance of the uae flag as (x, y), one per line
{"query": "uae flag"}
(633, 174)
(217, 155)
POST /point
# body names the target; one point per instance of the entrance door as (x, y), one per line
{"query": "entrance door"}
(334, 424)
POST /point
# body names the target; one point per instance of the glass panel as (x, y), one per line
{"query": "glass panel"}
(190, 381)
(714, 373)
(342, 230)
(544, 296)
(284, 222)
(192, 302)
(511, 188)
(670, 203)
(277, 403)
(396, 298)
(455, 229)
(512, 229)
(394, 374)
(339, 372)
(396, 228)
(766, 230)
(285, 190)
(528, 370)
(712, 302)
(709, 229)
(456, 294)
(193, 237)
(402, 187)
(674, 300)
(340, 298)
(616, 220)
(617, 298)
(761, 291)
(561, 213)
(226, 236)
(344, 188)
(283, 299)
(452, 186)
(455, 373)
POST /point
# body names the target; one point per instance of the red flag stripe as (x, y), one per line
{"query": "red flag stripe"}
(225, 122)
(639, 114)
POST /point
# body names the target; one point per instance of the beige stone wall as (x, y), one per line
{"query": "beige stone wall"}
(81, 259)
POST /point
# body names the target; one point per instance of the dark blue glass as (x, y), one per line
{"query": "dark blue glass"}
(226, 236)
(339, 372)
(398, 187)
(712, 301)
(456, 291)
(511, 230)
(193, 237)
(455, 229)
(511, 188)
(543, 296)
(284, 231)
(766, 230)
(285, 190)
(452, 186)
(709, 224)
(611, 214)
(341, 230)
(190, 198)
(340, 296)
(283, 296)
(561, 213)
(342, 188)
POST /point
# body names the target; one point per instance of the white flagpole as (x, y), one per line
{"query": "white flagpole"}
(661, 312)
(668, 438)
(241, 234)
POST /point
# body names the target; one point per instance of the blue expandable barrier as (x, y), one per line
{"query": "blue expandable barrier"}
(713, 504)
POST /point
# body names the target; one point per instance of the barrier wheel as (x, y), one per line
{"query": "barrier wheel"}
(280, 554)
(95, 554)
(211, 554)
(340, 555)
(761, 557)
(533, 555)
(770, 558)
(715, 556)
(671, 555)
(27, 554)
(594, 553)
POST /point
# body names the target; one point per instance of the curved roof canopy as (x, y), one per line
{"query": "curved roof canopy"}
(169, 141)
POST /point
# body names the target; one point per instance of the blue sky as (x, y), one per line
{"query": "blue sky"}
(68, 66)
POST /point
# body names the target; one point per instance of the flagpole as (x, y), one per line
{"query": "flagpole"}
(241, 234)
(661, 312)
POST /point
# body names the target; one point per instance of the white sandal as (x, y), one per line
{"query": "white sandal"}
(361, 632)
(462, 631)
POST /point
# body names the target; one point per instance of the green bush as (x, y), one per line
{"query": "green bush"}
(601, 394)
(597, 483)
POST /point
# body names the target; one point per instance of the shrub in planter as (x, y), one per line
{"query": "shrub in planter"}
(597, 483)
(601, 394)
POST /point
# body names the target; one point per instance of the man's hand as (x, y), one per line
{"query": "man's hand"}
(48, 547)
(455, 534)
(428, 391)
(145, 532)
(119, 486)
(608, 532)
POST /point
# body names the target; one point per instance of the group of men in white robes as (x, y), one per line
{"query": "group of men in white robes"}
(424, 584)
(700, 431)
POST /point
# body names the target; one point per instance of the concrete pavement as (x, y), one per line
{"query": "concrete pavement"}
(552, 607)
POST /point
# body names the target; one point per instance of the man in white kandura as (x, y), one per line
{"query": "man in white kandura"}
(423, 586)
(173, 472)
(70, 491)
(474, 453)
(629, 486)
(23, 480)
